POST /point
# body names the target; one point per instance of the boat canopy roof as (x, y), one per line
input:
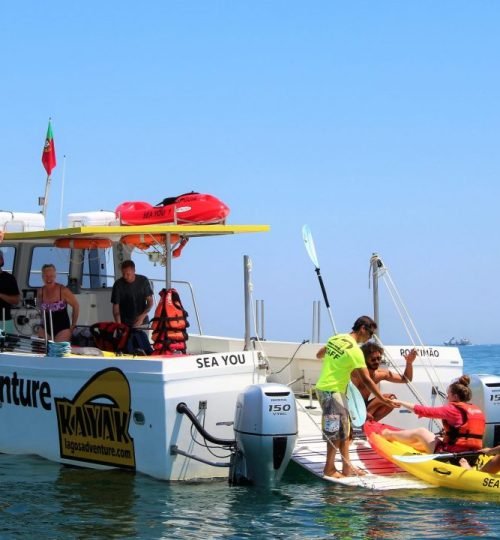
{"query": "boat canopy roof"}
(114, 233)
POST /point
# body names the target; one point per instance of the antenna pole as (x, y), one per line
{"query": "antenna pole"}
(376, 265)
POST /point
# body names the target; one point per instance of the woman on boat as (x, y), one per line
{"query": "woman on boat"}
(463, 423)
(53, 299)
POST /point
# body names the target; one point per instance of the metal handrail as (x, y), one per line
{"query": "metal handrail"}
(191, 290)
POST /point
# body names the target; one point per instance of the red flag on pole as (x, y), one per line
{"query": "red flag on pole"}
(49, 152)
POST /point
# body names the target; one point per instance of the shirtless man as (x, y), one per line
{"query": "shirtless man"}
(375, 409)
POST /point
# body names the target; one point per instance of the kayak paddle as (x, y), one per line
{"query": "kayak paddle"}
(311, 250)
(422, 458)
(355, 401)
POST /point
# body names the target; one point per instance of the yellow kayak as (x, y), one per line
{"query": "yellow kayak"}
(433, 471)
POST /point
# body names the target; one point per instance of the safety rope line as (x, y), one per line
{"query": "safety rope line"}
(399, 304)
(409, 384)
(407, 321)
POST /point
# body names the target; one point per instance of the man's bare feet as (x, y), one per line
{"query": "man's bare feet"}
(464, 463)
(353, 471)
(333, 474)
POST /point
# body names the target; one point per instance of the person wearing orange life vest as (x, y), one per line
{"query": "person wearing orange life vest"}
(463, 423)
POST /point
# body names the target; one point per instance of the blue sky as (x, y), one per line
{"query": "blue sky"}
(376, 123)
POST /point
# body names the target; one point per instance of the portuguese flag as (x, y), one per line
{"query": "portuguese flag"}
(49, 152)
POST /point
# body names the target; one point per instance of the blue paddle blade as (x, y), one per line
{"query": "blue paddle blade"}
(356, 406)
(309, 243)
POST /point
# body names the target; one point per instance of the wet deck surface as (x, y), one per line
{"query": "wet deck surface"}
(310, 453)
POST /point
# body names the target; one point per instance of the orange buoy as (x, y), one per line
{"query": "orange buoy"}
(83, 243)
(145, 241)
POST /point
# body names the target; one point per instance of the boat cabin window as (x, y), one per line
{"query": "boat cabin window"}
(9, 255)
(78, 268)
(48, 255)
(98, 269)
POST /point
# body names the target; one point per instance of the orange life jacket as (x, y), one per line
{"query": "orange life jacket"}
(110, 336)
(469, 435)
(169, 324)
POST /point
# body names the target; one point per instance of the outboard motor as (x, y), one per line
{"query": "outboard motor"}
(486, 395)
(265, 428)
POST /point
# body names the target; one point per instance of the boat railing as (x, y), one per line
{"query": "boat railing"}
(161, 284)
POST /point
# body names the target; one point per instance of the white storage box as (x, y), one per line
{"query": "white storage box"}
(21, 221)
(92, 219)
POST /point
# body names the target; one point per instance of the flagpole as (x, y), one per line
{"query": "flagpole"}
(62, 191)
(46, 195)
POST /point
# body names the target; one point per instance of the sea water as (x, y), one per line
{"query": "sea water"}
(39, 499)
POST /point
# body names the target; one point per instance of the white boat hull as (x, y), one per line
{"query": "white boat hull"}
(104, 412)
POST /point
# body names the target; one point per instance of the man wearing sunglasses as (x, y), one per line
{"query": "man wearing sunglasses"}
(373, 354)
(342, 356)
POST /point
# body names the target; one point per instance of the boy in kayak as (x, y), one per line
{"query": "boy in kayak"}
(343, 356)
(493, 465)
(463, 423)
(373, 353)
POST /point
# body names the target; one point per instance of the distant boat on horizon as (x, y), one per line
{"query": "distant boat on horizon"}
(457, 342)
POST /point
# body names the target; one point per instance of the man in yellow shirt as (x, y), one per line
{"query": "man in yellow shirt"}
(343, 356)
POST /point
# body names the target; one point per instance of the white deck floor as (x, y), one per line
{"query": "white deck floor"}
(310, 453)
